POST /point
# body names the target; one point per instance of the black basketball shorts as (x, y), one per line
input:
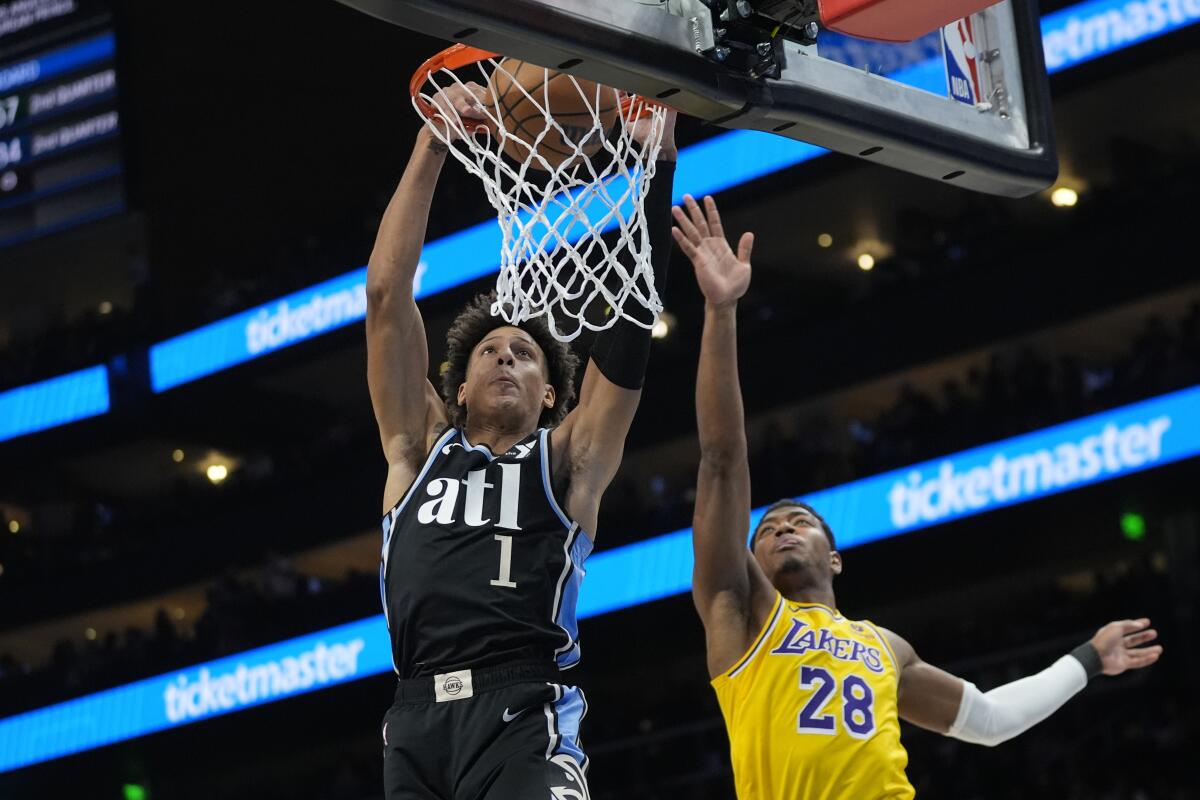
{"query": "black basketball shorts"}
(500, 733)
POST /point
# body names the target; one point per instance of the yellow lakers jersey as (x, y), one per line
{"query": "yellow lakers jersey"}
(811, 710)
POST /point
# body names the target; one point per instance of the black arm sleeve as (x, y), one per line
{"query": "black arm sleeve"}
(623, 351)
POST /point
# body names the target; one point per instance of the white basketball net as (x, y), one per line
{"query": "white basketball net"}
(553, 260)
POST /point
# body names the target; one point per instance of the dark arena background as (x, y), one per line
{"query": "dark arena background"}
(190, 469)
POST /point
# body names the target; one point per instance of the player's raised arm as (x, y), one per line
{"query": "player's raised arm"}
(725, 581)
(593, 434)
(407, 408)
(940, 702)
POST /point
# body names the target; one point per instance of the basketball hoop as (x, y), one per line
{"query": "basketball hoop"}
(552, 211)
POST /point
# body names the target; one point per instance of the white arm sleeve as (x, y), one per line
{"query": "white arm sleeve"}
(1014, 708)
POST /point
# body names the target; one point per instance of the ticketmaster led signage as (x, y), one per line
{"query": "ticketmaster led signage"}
(1068, 456)
(1126, 440)
(318, 309)
(275, 672)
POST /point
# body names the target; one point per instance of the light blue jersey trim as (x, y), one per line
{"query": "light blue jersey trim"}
(566, 714)
(544, 442)
(389, 526)
(476, 448)
(576, 549)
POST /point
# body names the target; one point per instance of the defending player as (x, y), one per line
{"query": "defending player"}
(490, 505)
(811, 700)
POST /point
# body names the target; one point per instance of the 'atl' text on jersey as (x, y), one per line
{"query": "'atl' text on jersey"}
(481, 565)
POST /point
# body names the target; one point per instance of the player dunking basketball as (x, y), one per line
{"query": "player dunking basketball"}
(812, 700)
(490, 505)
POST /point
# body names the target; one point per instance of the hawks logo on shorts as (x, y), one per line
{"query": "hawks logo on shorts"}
(811, 710)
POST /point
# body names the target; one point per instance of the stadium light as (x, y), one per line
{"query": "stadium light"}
(866, 262)
(1064, 197)
(662, 328)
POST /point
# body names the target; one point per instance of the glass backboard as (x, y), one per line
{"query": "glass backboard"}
(967, 104)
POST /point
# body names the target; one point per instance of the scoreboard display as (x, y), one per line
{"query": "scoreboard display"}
(61, 159)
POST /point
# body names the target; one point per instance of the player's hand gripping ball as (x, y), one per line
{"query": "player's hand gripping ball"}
(460, 101)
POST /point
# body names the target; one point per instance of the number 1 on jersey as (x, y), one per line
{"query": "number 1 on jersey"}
(505, 578)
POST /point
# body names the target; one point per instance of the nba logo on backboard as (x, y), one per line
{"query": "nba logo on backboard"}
(962, 63)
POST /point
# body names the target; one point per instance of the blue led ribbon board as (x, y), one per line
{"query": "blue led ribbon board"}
(1058, 459)
(1089, 30)
(1130, 439)
(300, 316)
(50, 403)
(1072, 36)
(245, 680)
(1126, 440)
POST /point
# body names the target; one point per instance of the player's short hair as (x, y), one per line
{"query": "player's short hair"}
(788, 502)
(472, 325)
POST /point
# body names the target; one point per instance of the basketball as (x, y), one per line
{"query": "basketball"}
(522, 90)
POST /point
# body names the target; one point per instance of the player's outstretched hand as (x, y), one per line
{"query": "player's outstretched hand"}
(1120, 645)
(723, 276)
(460, 101)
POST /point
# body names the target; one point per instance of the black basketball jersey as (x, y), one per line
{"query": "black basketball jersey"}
(480, 564)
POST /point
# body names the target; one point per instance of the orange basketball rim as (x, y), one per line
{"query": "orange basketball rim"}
(461, 55)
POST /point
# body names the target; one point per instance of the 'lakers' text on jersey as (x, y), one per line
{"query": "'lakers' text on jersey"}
(481, 565)
(811, 710)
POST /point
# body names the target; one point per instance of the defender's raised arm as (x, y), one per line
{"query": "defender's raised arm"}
(726, 585)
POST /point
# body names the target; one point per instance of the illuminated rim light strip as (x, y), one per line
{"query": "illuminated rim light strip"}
(1072, 36)
(1130, 439)
(50, 403)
